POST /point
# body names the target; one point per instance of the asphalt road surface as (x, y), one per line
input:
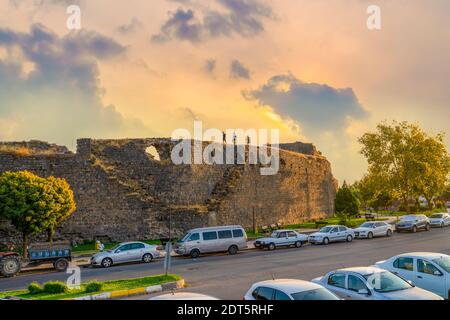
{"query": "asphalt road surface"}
(229, 277)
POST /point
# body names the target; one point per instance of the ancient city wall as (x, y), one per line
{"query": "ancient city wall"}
(123, 193)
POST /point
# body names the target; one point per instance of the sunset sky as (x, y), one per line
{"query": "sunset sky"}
(143, 68)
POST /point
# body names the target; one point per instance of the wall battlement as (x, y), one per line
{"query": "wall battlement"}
(124, 193)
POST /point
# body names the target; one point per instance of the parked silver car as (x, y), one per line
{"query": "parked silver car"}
(229, 239)
(282, 238)
(370, 283)
(332, 234)
(125, 252)
(440, 220)
(288, 289)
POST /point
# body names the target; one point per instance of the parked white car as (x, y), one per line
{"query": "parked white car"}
(332, 234)
(440, 220)
(125, 252)
(288, 289)
(370, 283)
(183, 296)
(282, 238)
(369, 230)
(429, 271)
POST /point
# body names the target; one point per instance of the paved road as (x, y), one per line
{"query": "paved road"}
(229, 277)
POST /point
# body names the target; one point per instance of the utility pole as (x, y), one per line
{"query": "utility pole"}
(255, 227)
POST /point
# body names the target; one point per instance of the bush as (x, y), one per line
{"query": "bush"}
(351, 224)
(35, 288)
(94, 287)
(55, 287)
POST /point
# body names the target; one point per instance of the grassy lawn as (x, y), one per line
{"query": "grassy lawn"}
(108, 286)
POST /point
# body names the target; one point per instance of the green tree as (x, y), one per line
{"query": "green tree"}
(399, 155)
(434, 167)
(60, 202)
(347, 202)
(372, 192)
(445, 194)
(33, 204)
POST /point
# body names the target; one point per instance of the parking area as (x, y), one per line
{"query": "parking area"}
(228, 277)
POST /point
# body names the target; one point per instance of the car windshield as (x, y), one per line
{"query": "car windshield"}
(437, 216)
(326, 229)
(185, 237)
(367, 225)
(317, 294)
(444, 263)
(386, 282)
(409, 218)
(115, 247)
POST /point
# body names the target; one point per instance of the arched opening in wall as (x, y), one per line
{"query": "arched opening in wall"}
(153, 153)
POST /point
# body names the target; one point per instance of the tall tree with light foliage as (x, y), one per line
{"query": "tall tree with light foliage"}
(410, 162)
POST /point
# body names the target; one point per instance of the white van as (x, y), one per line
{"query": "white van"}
(229, 239)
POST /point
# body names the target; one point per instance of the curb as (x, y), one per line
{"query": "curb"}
(169, 286)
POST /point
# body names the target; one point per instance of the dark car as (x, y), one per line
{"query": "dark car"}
(413, 223)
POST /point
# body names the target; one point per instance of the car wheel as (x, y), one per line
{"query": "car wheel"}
(195, 254)
(272, 246)
(414, 229)
(349, 238)
(389, 233)
(326, 241)
(298, 244)
(233, 250)
(428, 227)
(370, 235)
(107, 262)
(61, 265)
(147, 258)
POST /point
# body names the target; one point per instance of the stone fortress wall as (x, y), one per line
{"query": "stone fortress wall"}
(124, 193)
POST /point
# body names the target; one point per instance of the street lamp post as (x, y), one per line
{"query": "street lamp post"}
(255, 227)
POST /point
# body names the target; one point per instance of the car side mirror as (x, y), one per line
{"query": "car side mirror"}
(118, 251)
(364, 292)
(437, 273)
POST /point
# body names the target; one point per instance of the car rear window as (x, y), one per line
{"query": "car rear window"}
(238, 233)
(264, 294)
